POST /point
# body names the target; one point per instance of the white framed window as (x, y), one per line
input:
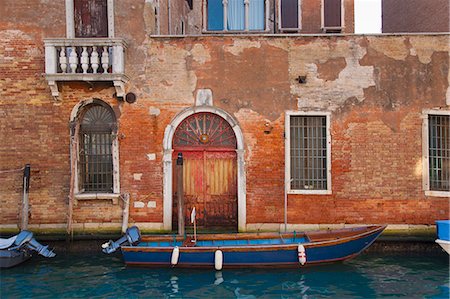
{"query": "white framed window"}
(89, 18)
(95, 151)
(235, 15)
(289, 15)
(436, 152)
(332, 16)
(308, 152)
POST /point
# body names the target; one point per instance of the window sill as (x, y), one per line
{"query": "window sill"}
(437, 193)
(235, 31)
(114, 197)
(310, 192)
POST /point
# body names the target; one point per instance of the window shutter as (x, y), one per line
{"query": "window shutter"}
(215, 15)
(289, 14)
(332, 13)
(91, 18)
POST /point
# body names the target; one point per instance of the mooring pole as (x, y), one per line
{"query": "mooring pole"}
(180, 194)
(25, 201)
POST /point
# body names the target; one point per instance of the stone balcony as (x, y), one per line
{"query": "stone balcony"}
(85, 59)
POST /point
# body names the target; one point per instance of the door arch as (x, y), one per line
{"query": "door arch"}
(208, 145)
(169, 136)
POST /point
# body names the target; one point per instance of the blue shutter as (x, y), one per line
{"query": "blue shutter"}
(215, 15)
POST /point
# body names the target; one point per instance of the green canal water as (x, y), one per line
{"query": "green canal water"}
(371, 275)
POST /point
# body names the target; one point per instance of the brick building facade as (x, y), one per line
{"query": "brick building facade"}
(341, 128)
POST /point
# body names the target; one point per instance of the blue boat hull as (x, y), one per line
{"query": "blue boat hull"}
(280, 255)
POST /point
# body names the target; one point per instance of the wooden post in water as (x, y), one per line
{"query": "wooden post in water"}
(180, 194)
(25, 201)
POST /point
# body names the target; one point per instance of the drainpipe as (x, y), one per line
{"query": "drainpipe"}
(126, 211)
(286, 182)
(169, 17)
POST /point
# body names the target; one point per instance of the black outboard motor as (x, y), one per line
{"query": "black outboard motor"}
(132, 237)
(25, 240)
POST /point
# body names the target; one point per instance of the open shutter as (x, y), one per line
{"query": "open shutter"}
(332, 13)
(289, 14)
(91, 18)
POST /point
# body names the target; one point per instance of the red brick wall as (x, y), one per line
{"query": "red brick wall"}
(374, 87)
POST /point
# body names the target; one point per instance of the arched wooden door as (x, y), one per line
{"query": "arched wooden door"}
(208, 145)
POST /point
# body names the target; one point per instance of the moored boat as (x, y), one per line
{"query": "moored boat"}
(19, 248)
(443, 234)
(245, 250)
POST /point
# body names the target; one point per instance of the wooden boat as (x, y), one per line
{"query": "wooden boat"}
(443, 233)
(19, 248)
(245, 250)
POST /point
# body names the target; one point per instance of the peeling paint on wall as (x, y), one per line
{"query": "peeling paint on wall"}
(324, 94)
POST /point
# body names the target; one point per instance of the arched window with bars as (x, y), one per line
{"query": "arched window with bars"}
(97, 153)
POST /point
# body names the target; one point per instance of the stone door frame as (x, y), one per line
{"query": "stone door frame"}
(168, 167)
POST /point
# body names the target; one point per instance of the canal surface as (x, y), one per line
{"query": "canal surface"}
(371, 275)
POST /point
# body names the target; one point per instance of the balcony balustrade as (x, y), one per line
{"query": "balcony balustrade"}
(98, 59)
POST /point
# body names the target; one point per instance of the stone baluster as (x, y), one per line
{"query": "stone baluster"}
(73, 60)
(63, 59)
(84, 60)
(105, 59)
(94, 60)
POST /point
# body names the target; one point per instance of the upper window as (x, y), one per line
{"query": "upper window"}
(236, 15)
(437, 127)
(289, 15)
(91, 18)
(95, 159)
(332, 15)
(308, 152)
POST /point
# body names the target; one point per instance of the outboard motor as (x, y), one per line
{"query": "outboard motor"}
(132, 237)
(25, 240)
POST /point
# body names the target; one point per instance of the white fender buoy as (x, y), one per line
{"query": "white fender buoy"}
(301, 254)
(218, 260)
(175, 256)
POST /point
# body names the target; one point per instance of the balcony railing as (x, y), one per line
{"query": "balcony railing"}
(98, 59)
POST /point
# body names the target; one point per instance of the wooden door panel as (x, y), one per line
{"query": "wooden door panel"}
(210, 185)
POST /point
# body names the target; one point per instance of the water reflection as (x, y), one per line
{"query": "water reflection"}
(99, 276)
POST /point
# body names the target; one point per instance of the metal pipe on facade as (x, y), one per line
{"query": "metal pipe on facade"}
(169, 17)
(25, 201)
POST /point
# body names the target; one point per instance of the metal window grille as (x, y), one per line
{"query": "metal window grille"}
(95, 157)
(308, 148)
(439, 152)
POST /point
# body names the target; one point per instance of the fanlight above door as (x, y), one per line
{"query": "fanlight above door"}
(203, 130)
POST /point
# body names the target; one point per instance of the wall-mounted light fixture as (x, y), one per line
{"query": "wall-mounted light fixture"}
(130, 98)
(268, 128)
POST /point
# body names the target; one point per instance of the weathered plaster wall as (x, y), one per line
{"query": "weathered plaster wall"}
(375, 87)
